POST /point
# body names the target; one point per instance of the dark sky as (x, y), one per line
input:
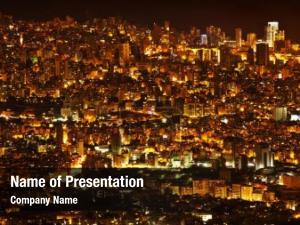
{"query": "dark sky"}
(250, 15)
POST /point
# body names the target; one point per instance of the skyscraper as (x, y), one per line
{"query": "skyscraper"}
(238, 37)
(251, 40)
(280, 113)
(204, 40)
(271, 32)
(125, 52)
(262, 54)
(264, 156)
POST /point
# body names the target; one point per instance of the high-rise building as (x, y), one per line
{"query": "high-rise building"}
(271, 32)
(204, 39)
(125, 52)
(251, 40)
(238, 37)
(280, 114)
(205, 54)
(262, 54)
(264, 156)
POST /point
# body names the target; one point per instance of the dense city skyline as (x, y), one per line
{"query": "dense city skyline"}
(249, 15)
(109, 118)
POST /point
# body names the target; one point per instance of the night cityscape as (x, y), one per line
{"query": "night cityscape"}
(208, 115)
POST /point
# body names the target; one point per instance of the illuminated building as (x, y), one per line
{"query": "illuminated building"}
(246, 192)
(280, 35)
(186, 190)
(125, 52)
(262, 54)
(204, 216)
(291, 181)
(238, 37)
(193, 109)
(264, 156)
(209, 55)
(204, 39)
(221, 191)
(251, 40)
(207, 186)
(236, 191)
(280, 114)
(271, 32)
(205, 54)
(257, 195)
(269, 196)
(201, 187)
(80, 147)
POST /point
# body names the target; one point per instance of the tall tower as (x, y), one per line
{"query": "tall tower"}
(271, 32)
(264, 156)
(262, 54)
(204, 39)
(238, 37)
(125, 52)
(251, 40)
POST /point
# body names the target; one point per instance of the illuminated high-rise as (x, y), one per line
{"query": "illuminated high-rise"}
(251, 40)
(125, 51)
(271, 32)
(264, 156)
(238, 37)
(204, 39)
